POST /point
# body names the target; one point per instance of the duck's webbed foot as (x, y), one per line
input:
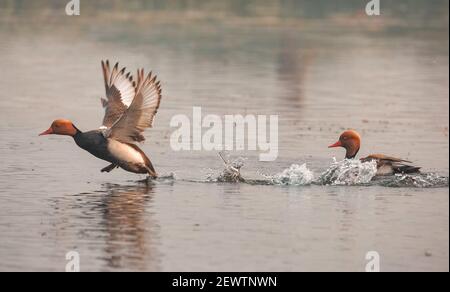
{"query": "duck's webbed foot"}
(109, 168)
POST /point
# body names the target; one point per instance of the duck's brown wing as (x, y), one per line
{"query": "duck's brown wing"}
(388, 164)
(120, 91)
(385, 157)
(140, 114)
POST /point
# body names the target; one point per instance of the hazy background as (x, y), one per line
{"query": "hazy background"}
(322, 66)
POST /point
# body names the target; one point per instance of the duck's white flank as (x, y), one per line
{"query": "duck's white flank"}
(124, 152)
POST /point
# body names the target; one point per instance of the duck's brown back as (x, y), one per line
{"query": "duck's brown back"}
(388, 165)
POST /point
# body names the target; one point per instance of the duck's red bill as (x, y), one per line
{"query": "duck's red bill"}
(337, 144)
(48, 132)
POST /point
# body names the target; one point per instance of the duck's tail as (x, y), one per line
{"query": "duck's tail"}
(151, 171)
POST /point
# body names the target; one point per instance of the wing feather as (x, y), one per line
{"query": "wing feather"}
(387, 158)
(120, 91)
(141, 113)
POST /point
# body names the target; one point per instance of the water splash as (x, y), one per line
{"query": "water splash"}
(168, 177)
(296, 175)
(354, 172)
(232, 170)
(165, 178)
(421, 180)
(348, 172)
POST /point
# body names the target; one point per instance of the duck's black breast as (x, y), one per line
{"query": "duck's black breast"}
(95, 143)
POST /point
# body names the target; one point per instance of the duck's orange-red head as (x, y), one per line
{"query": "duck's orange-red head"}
(61, 127)
(351, 141)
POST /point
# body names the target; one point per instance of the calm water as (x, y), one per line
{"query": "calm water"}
(319, 75)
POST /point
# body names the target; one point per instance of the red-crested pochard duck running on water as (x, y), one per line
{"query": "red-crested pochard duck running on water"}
(130, 107)
(386, 165)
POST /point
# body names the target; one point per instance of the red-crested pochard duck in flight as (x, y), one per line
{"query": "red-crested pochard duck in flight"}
(130, 107)
(386, 165)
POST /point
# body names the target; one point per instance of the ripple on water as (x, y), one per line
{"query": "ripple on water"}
(421, 180)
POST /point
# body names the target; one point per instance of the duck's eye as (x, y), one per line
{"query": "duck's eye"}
(345, 138)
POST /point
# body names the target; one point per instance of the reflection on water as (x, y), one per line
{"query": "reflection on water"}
(322, 66)
(114, 224)
(128, 227)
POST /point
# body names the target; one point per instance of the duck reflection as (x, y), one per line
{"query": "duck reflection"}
(128, 228)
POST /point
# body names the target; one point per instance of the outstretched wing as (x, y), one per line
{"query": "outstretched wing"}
(120, 91)
(140, 114)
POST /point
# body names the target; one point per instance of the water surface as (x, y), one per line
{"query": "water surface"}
(323, 74)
